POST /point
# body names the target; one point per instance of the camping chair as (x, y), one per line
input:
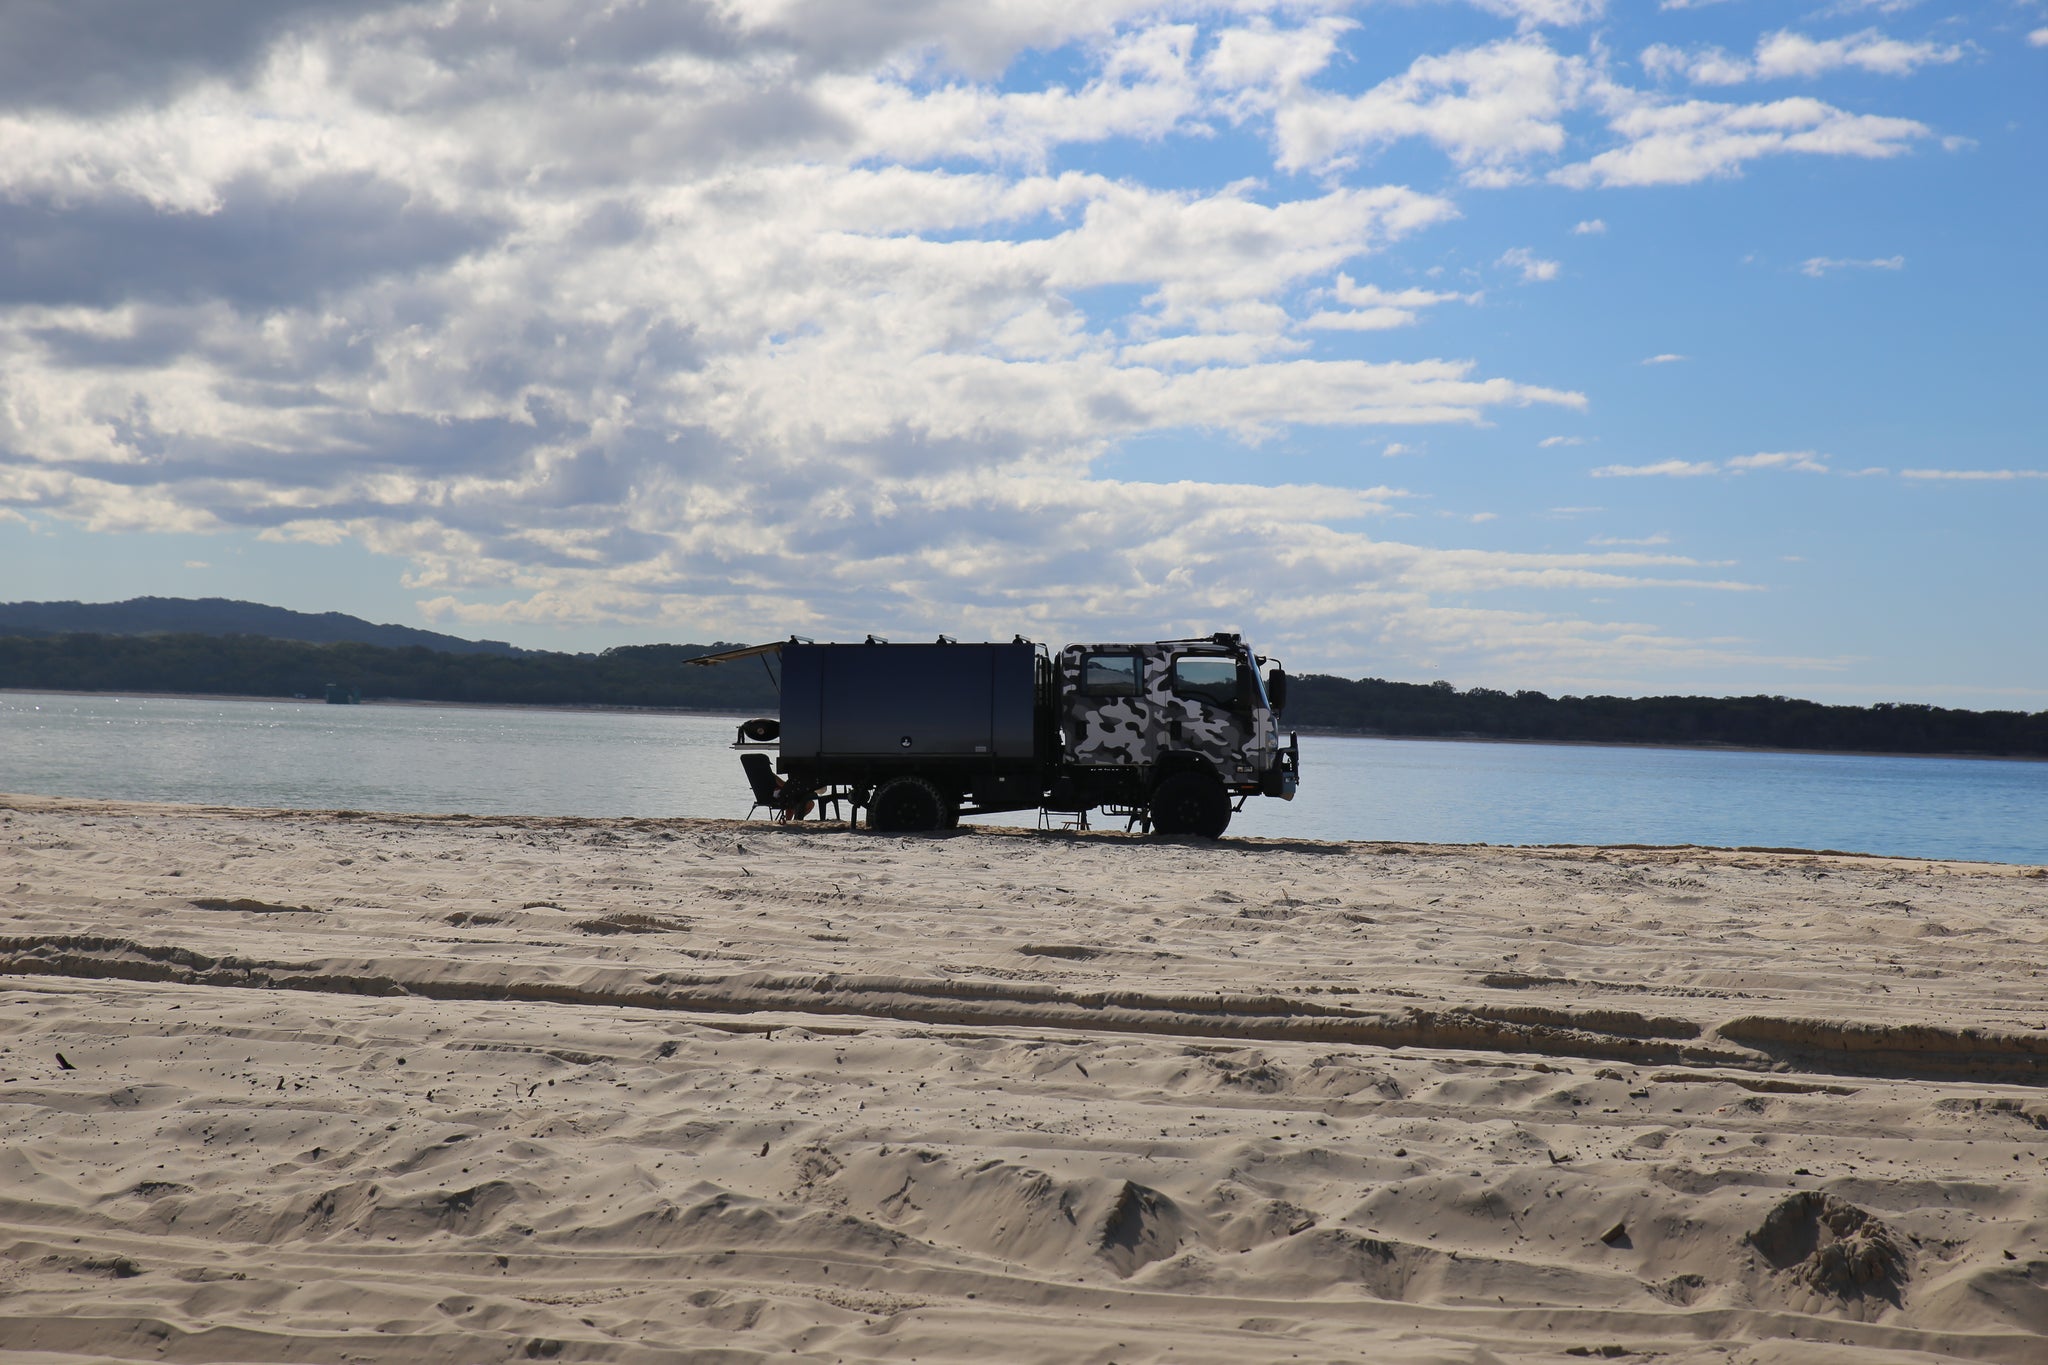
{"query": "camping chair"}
(767, 786)
(789, 804)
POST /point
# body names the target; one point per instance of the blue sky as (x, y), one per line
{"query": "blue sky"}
(1586, 346)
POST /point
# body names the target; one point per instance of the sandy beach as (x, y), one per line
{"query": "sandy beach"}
(327, 1087)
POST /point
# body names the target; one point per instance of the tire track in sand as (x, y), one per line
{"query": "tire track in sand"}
(1755, 1042)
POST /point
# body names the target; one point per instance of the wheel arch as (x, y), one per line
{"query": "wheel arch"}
(1183, 761)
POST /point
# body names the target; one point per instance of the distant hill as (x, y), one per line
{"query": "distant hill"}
(222, 616)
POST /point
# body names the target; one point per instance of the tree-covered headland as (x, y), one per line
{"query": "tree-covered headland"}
(254, 666)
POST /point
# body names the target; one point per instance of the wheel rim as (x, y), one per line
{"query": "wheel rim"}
(1183, 807)
(907, 808)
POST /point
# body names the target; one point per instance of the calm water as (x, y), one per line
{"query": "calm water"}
(485, 761)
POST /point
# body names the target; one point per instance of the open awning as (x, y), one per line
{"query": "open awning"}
(750, 652)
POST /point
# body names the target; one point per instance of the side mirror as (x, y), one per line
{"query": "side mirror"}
(1276, 689)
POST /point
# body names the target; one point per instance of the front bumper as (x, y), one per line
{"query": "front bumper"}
(1285, 775)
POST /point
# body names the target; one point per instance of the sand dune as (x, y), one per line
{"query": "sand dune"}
(346, 1087)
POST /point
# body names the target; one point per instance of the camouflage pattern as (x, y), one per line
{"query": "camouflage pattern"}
(1137, 730)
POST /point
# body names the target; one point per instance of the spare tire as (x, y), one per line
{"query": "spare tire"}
(907, 805)
(1191, 803)
(766, 730)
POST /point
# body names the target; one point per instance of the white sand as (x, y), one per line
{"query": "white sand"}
(1003, 1096)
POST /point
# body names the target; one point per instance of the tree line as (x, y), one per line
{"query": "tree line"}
(256, 666)
(1418, 710)
(656, 676)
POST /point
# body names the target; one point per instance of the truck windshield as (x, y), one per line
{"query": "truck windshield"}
(1211, 679)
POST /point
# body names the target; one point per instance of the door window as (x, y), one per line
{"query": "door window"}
(1109, 675)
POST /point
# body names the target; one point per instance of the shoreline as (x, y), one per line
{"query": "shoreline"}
(116, 807)
(600, 708)
(1701, 748)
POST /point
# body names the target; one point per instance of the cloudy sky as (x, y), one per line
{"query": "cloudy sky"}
(1573, 344)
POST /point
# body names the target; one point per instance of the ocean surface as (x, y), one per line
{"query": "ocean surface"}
(490, 761)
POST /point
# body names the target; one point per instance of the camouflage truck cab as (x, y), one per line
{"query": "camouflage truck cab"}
(1180, 730)
(1174, 735)
(1136, 704)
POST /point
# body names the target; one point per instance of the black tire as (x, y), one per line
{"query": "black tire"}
(1191, 803)
(907, 805)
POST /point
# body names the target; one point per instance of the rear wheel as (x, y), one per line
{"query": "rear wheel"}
(1191, 803)
(907, 805)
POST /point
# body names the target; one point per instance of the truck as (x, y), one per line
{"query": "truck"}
(1174, 735)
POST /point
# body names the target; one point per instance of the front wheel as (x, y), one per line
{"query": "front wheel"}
(907, 805)
(1191, 803)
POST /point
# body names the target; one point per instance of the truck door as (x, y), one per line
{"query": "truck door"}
(1207, 710)
(1108, 705)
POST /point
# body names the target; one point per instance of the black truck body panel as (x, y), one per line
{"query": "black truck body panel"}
(852, 711)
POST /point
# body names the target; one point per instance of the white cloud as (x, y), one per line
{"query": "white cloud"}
(1975, 475)
(1679, 144)
(1486, 107)
(1359, 320)
(1590, 227)
(1369, 308)
(2038, 38)
(1818, 266)
(1805, 461)
(1784, 54)
(1658, 539)
(1348, 291)
(1256, 66)
(1668, 469)
(1532, 267)
(1501, 109)
(1145, 89)
(1701, 66)
(1549, 441)
(1559, 13)
(1206, 348)
(1666, 358)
